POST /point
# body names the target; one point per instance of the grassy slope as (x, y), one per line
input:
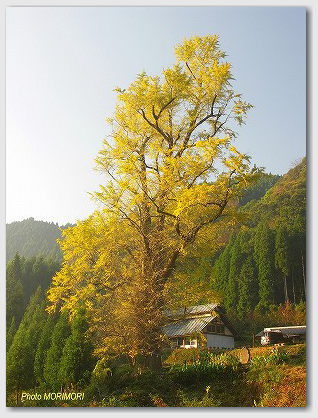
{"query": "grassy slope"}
(290, 390)
(259, 383)
(285, 386)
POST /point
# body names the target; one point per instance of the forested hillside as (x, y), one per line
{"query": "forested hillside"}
(32, 238)
(24, 276)
(258, 190)
(264, 262)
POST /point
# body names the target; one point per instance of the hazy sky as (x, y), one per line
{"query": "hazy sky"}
(63, 64)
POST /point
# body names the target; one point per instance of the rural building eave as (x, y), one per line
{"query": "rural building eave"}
(186, 326)
(228, 325)
(291, 331)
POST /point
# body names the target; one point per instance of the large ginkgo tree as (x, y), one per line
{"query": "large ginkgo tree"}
(173, 173)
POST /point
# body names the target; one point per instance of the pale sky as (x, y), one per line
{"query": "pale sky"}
(62, 65)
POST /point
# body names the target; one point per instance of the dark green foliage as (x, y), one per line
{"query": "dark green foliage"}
(19, 363)
(20, 358)
(189, 385)
(265, 369)
(247, 288)
(26, 318)
(76, 362)
(42, 348)
(237, 277)
(281, 254)
(221, 269)
(231, 295)
(297, 265)
(32, 238)
(23, 278)
(15, 302)
(14, 268)
(11, 332)
(54, 354)
(282, 261)
(37, 271)
(208, 400)
(197, 355)
(263, 255)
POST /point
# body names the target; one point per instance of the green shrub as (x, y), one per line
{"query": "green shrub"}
(192, 402)
(190, 355)
(276, 356)
(123, 374)
(224, 359)
(132, 397)
(183, 356)
(296, 354)
(101, 373)
(120, 402)
(265, 370)
(207, 368)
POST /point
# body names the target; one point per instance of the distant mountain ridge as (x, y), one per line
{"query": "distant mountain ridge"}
(284, 202)
(32, 238)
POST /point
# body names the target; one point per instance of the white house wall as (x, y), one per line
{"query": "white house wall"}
(219, 341)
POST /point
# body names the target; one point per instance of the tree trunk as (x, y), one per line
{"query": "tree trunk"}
(286, 290)
(294, 294)
(304, 275)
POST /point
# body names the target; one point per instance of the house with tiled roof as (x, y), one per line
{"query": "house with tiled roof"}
(199, 326)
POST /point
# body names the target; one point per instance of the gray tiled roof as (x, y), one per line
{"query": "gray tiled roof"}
(300, 329)
(193, 310)
(186, 326)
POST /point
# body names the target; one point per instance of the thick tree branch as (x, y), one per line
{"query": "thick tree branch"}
(188, 67)
(156, 127)
(194, 124)
(156, 117)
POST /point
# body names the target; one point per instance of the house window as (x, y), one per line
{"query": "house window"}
(187, 341)
(216, 329)
(211, 328)
(179, 341)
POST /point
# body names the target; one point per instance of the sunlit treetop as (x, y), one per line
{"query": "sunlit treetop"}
(171, 141)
